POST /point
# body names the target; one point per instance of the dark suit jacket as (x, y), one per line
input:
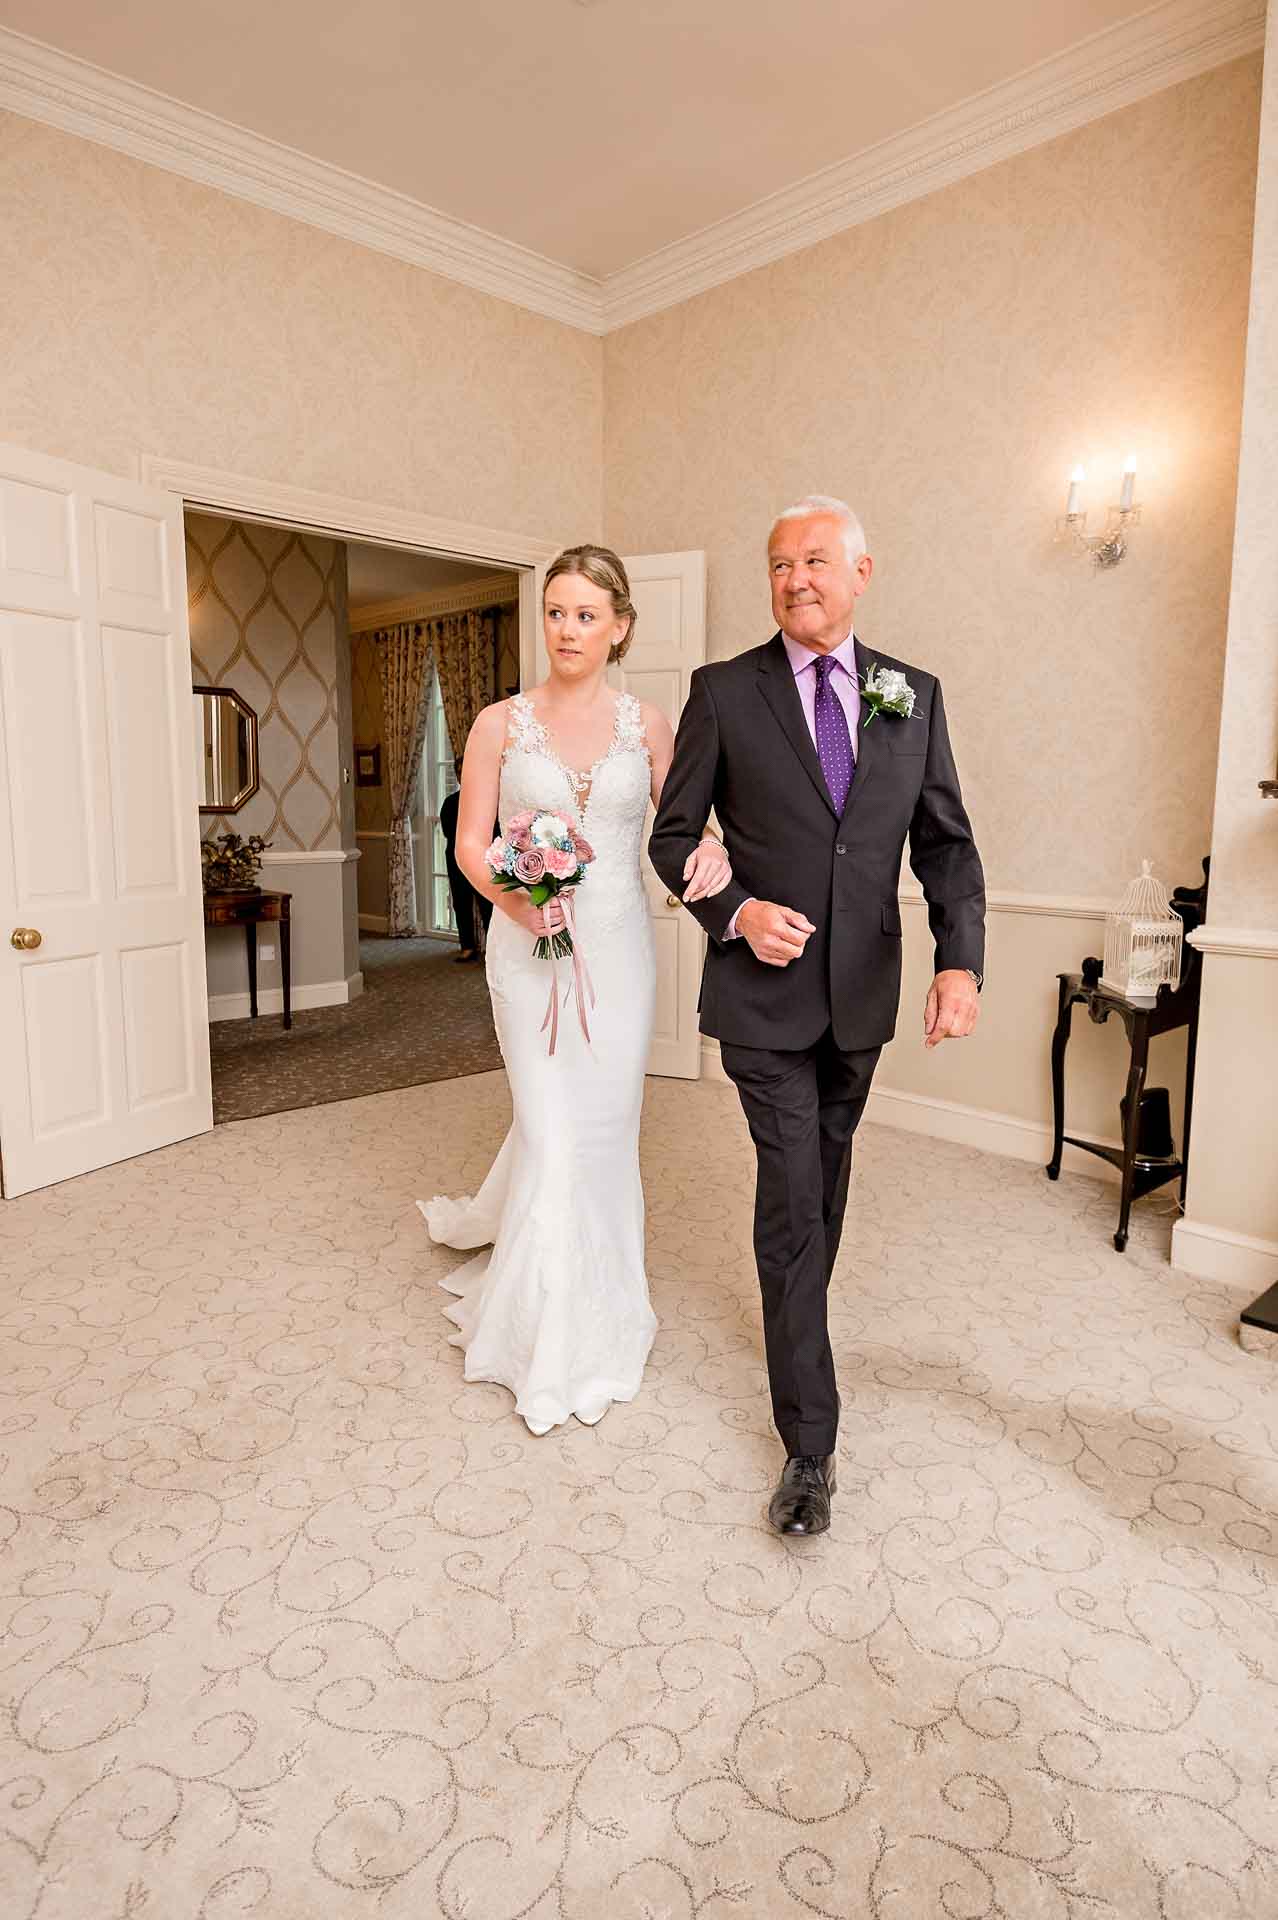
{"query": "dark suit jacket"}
(743, 749)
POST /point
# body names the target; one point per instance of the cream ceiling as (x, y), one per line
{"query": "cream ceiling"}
(594, 134)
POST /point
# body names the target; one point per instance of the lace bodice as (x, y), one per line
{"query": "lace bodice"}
(609, 801)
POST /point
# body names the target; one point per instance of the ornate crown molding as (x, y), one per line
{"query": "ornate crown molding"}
(1157, 48)
(43, 84)
(493, 590)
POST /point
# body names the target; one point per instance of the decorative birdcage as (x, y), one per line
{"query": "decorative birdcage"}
(1143, 941)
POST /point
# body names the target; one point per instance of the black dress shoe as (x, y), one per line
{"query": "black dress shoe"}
(801, 1503)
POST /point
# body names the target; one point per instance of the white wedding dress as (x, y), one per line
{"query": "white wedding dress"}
(558, 1311)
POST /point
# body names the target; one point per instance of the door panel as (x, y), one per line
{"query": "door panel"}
(42, 672)
(138, 684)
(669, 593)
(103, 1034)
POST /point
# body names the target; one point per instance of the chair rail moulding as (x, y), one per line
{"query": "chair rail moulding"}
(494, 590)
(1061, 906)
(282, 857)
(1254, 943)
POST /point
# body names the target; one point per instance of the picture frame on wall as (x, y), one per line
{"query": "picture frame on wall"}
(368, 766)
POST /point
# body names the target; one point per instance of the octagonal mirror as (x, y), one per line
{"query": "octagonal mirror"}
(226, 738)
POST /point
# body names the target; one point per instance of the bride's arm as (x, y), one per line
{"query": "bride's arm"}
(476, 812)
(707, 870)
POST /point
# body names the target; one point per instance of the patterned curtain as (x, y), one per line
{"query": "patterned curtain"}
(404, 662)
(465, 658)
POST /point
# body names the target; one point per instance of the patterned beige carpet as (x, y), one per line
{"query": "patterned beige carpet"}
(420, 1017)
(297, 1625)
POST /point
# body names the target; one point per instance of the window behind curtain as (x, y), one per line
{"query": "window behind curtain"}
(438, 779)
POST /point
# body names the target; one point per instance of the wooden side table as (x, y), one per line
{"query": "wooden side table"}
(1174, 1007)
(250, 911)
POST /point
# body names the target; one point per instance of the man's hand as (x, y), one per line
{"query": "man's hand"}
(777, 935)
(952, 1007)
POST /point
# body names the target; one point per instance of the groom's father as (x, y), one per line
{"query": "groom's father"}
(819, 768)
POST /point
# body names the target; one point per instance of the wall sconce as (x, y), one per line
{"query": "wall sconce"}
(1107, 548)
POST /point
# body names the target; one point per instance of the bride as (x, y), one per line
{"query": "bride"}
(558, 1311)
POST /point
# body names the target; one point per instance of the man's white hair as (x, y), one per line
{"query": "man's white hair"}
(853, 532)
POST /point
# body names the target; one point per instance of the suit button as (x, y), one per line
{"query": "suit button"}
(840, 848)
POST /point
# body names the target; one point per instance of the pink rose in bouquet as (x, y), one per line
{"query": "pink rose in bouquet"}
(544, 864)
(543, 854)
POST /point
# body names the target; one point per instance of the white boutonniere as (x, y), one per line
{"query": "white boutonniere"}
(886, 692)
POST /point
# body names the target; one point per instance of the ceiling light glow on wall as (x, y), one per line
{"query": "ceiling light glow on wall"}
(1105, 549)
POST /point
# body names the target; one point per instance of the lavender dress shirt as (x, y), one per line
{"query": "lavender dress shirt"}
(844, 684)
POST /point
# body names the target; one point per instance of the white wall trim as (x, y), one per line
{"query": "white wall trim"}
(1158, 48)
(374, 923)
(45, 84)
(1161, 47)
(495, 589)
(1214, 1253)
(331, 856)
(247, 497)
(1002, 1133)
(1255, 943)
(319, 993)
(1060, 906)
(964, 1126)
(376, 833)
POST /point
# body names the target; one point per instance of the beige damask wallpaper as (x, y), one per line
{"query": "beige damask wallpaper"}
(268, 609)
(372, 804)
(944, 367)
(145, 314)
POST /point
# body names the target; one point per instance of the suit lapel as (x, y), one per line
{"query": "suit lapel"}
(870, 748)
(776, 683)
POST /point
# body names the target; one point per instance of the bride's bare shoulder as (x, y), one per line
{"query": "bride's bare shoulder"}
(657, 729)
(488, 730)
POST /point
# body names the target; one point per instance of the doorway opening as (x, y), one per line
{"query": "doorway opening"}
(361, 665)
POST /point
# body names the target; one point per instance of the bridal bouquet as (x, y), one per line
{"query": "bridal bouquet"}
(544, 856)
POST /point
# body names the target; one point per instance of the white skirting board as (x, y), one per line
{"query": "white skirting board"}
(320, 993)
(1215, 1253)
(966, 1126)
(374, 923)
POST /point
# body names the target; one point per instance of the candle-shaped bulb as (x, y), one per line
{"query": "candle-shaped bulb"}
(1127, 497)
(1075, 482)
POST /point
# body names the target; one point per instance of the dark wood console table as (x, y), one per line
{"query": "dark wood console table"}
(250, 911)
(1174, 1007)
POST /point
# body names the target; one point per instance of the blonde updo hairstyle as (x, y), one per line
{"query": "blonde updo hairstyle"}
(605, 570)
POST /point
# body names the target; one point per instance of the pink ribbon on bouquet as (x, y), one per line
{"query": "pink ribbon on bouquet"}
(580, 984)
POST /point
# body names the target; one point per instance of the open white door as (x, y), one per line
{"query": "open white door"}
(103, 1016)
(669, 592)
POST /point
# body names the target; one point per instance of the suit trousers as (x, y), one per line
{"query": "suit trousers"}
(803, 1108)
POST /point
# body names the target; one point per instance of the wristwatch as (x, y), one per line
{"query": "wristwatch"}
(972, 974)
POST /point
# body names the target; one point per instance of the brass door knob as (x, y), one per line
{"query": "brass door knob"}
(25, 939)
(673, 901)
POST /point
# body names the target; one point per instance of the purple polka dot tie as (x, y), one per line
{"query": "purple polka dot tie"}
(833, 740)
